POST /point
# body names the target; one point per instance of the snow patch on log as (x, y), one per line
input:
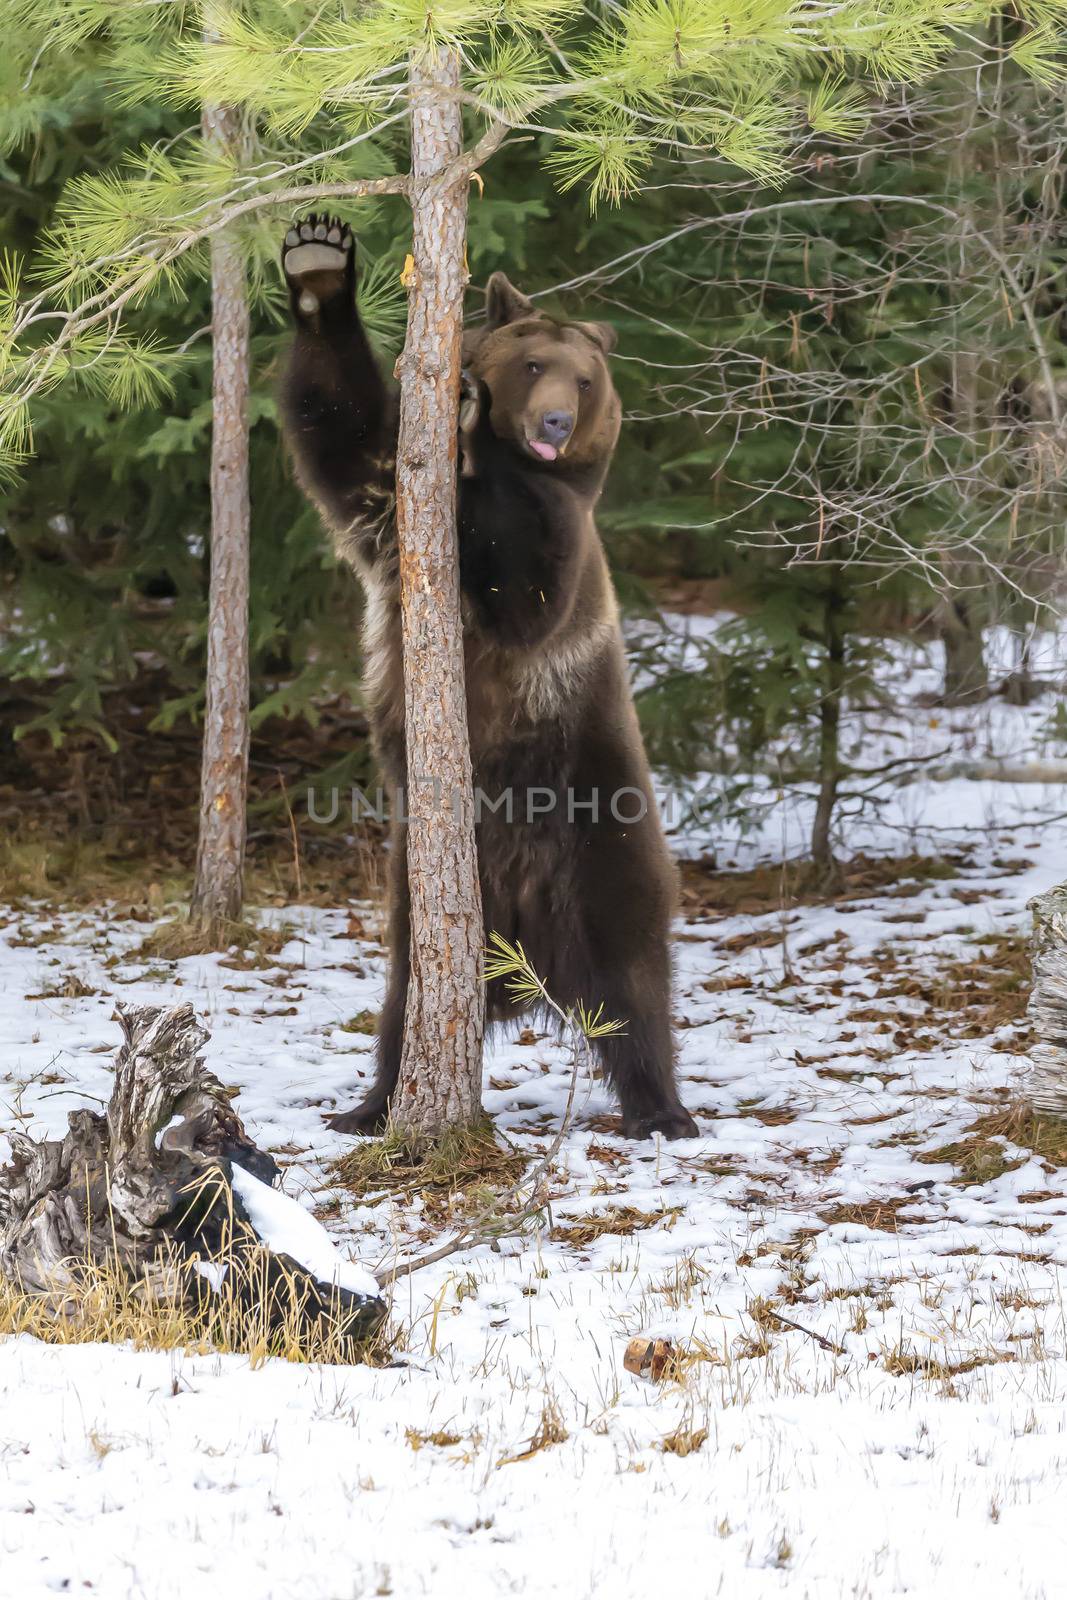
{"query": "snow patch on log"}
(286, 1228)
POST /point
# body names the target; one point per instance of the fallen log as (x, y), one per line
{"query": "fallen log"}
(167, 1190)
(1002, 771)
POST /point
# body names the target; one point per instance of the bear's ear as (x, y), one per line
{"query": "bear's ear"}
(504, 303)
(602, 334)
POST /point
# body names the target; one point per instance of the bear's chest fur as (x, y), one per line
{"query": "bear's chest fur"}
(516, 698)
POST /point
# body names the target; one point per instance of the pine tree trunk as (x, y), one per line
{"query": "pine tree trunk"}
(441, 1066)
(829, 732)
(960, 625)
(1019, 688)
(218, 889)
(974, 395)
(966, 674)
(1047, 1086)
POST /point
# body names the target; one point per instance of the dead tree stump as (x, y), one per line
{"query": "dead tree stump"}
(148, 1189)
(1047, 1085)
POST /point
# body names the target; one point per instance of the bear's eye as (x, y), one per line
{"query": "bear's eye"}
(534, 367)
(584, 384)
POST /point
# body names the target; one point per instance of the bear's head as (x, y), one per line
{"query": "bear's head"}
(549, 383)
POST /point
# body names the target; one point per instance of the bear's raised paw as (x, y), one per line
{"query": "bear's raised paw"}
(318, 260)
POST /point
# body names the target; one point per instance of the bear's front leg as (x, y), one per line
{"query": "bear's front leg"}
(340, 422)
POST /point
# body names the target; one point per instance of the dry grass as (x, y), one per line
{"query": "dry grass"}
(72, 987)
(684, 1440)
(1029, 1129)
(751, 939)
(73, 870)
(698, 1353)
(885, 1215)
(549, 1431)
(616, 1221)
(902, 1361)
(877, 1292)
(706, 890)
(767, 1116)
(442, 1439)
(142, 877)
(365, 1022)
(684, 1278)
(254, 1312)
(251, 945)
(984, 1151)
(977, 1160)
(81, 827)
(607, 1155)
(454, 1175)
(764, 1315)
(783, 1552)
(1021, 1300)
(964, 998)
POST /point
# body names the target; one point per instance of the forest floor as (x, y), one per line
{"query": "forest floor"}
(860, 1264)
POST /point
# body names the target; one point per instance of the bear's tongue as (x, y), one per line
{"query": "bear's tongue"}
(547, 452)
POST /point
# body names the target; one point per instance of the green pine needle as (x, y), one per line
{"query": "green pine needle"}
(837, 109)
(1040, 54)
(510, 964)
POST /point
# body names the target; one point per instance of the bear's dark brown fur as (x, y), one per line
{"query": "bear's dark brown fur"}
(590, 897)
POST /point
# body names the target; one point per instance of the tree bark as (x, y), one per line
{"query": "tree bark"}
(1047, 1085)
(441, 1064)
(218, 889)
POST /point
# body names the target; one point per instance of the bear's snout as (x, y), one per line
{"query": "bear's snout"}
(557, 427)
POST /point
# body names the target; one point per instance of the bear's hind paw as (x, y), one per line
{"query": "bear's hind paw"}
(671, 1123)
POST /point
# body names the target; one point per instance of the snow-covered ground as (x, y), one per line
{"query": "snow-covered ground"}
(905, 746)
(919, 1449)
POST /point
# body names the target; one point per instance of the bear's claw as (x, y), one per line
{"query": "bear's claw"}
(370, 1116)
(670, 1123)
(469, 401)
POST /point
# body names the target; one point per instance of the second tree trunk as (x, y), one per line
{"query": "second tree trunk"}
(218, 888)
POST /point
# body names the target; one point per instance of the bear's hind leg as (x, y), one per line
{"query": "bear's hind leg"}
(372, 1113)
(621, 907)
(632, 988)
(638, 1061)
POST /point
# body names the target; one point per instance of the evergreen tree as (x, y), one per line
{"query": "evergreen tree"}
(806, 432)
(334, 92)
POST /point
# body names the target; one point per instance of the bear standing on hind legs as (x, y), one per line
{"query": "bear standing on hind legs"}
(571, 856)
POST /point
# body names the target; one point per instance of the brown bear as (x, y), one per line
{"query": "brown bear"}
(572, 859)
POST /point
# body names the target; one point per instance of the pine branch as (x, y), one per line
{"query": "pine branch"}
(510, 963)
